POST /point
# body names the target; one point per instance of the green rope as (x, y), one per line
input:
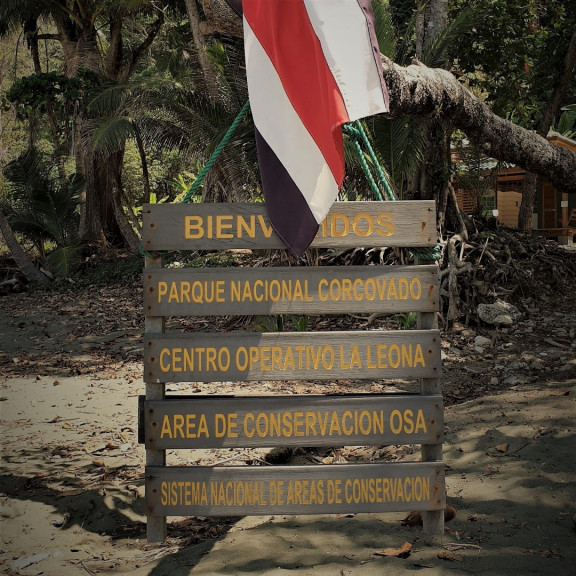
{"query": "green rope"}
(358, 136)
(365, 167)
(433, 254)
(196, 184)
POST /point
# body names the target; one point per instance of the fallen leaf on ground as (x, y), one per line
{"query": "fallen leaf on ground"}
(402, 552)
(502, 447)
(452, 556)
(413, 519)
(449, 513)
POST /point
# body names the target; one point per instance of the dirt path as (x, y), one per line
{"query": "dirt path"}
(71, 482)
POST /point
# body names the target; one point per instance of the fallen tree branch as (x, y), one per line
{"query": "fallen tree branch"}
(417, 90)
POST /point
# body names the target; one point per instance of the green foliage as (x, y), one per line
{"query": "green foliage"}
(107, 272)
(474, 171)
(300, 323)
(384, 27)
(218, 55)
(513, 53)
(45, 210)
(406, 321)
(566, 122)
(401, 11)
(31, 94)
(182, 183)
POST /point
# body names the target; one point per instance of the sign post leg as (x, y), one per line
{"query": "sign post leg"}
(156, 525)
(433, 520)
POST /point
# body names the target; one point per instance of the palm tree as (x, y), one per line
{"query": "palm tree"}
(25, 265)
(407, 145)
(44, 210)
(92, 36)
(169, 108)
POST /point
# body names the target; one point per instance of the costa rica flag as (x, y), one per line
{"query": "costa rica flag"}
(312, 65)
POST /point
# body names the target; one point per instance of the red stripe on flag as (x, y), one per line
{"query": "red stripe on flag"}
(284, 31)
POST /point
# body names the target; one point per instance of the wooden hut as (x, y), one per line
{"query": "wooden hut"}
(555, 212)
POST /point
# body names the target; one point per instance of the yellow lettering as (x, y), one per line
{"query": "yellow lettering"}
(193, 228)
(163, 353)
(420, 422)
(339, 226)
(363, 230)
(419, 356)
(266, 229)
(385, 225)
(224, 222)
(162, 289)
(166, 429)
(246, 227)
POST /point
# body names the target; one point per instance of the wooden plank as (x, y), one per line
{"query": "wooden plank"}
(433, 520)
(256, 421)
(294, 290)
(237, 225)
(156, 528)
(264, 490)
(203, 357)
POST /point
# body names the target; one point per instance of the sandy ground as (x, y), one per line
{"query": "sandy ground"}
(71, 482)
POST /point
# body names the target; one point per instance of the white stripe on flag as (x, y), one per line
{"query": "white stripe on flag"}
(342, 30)
(284, 132)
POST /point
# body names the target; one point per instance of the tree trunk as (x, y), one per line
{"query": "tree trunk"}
(530, 182)
(31, 32)
(129, 235)
(144, 164)
(31, 273)
(208, 70)
(108, 172)
(102, 172)
(528, 200)
(432, 178)
(91, 230)
(431, 21)
(417, 90)
(221, 18)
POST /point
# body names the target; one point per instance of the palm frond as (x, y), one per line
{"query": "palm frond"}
(111, 133)
(434, 54)
(63, 261)
(405, 47)
(384, 27)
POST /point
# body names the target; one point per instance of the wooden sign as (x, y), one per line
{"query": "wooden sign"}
(205, 422)
(264, 490)
(294, 290)
(219, 357)
(255, 421)
(239, 225)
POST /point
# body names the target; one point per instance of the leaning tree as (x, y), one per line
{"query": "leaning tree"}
(423, 92)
